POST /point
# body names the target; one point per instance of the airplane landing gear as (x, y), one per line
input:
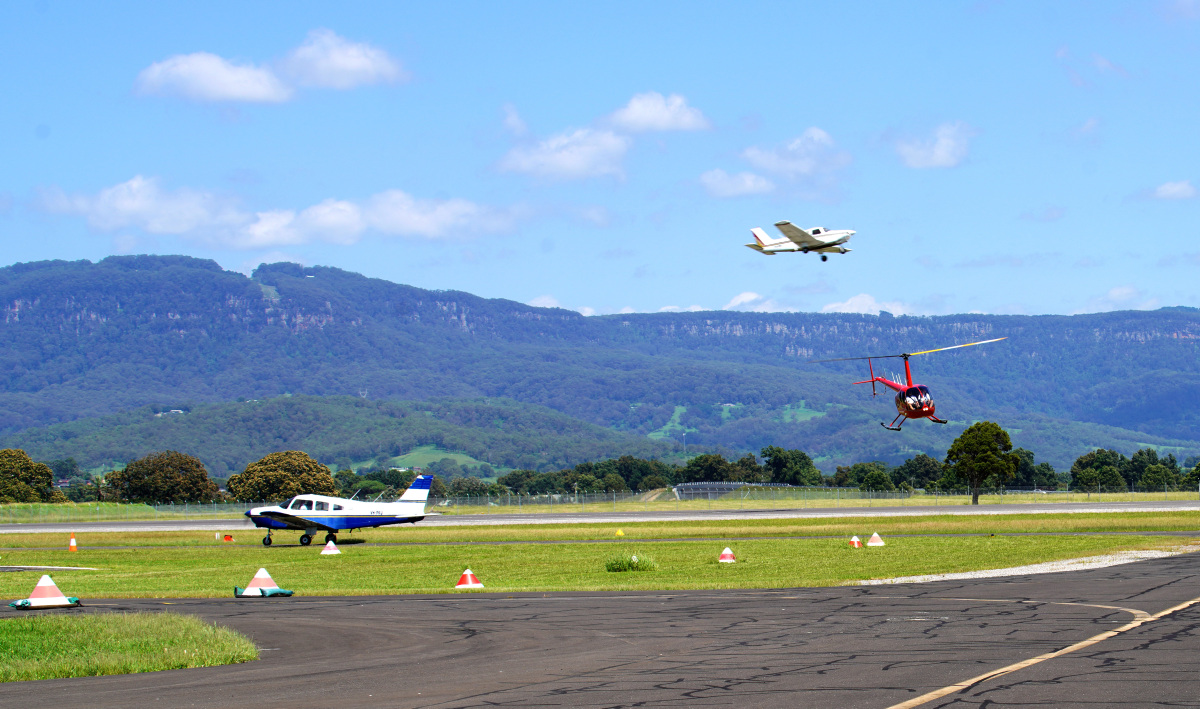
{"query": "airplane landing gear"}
(824, 257)
(267, 539)
(305, 540)
(331, 537)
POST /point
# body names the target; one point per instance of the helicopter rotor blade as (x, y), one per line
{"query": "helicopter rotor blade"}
(954, 347)
(850, 359)
(907, 354)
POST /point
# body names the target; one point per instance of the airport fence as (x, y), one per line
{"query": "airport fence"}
(693, 496)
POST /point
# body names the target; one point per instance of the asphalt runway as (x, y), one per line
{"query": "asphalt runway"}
(889, 646)
(601, 516)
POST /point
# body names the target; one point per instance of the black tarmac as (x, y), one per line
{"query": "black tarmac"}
(827, 647)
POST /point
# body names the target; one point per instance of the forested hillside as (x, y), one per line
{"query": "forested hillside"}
(81, 340)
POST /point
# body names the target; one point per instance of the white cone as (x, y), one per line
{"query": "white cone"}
(45, 595)
(330, 548)
(875, 540)
(727, 556)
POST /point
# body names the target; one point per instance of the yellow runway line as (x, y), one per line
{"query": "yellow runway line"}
(968, 683)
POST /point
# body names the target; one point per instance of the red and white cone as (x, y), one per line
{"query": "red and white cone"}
(854, 542)
(468, 580)
(72, 546)
(330, 548)
(727, 556)
(45, 595)
(875, 540)
(261, 585)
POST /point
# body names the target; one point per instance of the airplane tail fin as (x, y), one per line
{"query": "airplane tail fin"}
(763, 240)
(418, 491)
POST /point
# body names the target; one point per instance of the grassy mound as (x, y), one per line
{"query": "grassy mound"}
(88, 645)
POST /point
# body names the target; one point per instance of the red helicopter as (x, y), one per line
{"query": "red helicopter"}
(912, 400)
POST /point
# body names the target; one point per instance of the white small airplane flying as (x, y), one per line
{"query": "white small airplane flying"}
(823, 241)
(315, 513)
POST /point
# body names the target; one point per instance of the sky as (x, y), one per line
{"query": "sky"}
(993, 157)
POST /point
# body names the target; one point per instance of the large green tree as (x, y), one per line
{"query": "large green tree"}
(981, 453)
(1098, 467)
(167, 476)
(790, 466)
(24, 480)
(918, 471)
(281, 475)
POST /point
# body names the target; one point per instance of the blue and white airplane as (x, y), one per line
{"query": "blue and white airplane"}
(316, 513)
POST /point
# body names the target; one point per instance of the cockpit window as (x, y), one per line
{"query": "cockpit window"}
(816, 231)
(302, 505)
(287, 504)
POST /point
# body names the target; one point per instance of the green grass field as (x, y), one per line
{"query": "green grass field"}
(52, 646)
(771, 553)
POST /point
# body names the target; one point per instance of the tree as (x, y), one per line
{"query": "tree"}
(876, 481)
(981, 453)
(1085, 471)
(708, 467)
(853, 475)
(24, 480)
(613, 483)
(1031, 474)
(167, 476)
(460, 487)
(1158, 476)
(790, 467)
(918, 471)
(654, 482)
(281, 475)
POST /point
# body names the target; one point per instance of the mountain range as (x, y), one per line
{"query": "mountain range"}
(102, 347)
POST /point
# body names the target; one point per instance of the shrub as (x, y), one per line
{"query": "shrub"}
(631, 562)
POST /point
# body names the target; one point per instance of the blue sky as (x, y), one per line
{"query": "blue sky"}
(997, 157)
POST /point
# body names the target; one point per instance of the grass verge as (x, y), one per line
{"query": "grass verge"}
(208, 571)
(89, 645)
(1183, 521)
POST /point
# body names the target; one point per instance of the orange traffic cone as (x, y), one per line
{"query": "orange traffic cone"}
(727, 556)
(45, 595)
(875, 540)
(468, 580)
(854, 542)
(72, 546)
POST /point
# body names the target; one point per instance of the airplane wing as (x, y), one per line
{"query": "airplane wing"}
(294, 521)
(833, 250)
(796, 234)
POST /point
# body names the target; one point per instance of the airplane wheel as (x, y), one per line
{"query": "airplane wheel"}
(266, 541)
(331, 538)
(305, 540)
(824, 257)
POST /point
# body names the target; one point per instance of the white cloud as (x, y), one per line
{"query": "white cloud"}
(207, 77)
(947, 148)
(866, 303)
(585, 311)
(513, 122)
(575, 155)
(814, 151)
(719, 183)
(749, 301)
(677, 309)
(142, 203)
(397, 212)
(1175, 190)
(652, 111)
(544, 301)
(326, 60)
(1120, 298)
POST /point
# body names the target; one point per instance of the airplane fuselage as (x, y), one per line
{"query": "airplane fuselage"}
(321, 513)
